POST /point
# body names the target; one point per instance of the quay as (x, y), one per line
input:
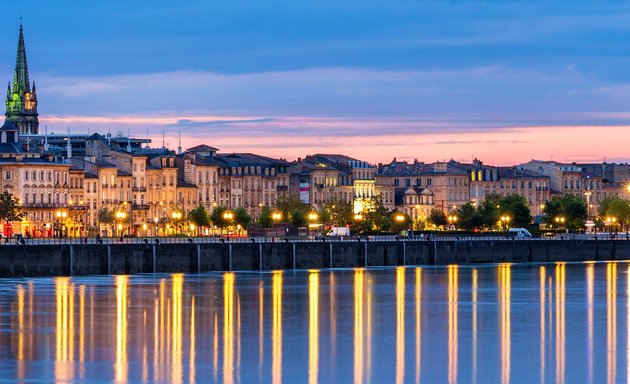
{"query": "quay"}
(191, 256)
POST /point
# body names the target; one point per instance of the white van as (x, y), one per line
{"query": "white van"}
(519, 233)
(338, 231)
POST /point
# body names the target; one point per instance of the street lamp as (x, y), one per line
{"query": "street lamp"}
(505, 221)
(61, 218)
(358, 217)
(276, 216)
(121, 216)
(399, 218)
(559, 222)
(177, 216)
(452, 220)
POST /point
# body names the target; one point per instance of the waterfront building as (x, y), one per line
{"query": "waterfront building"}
(40, 183)
(569, 178)
(252, 181)
(356, 180)
(199, 166)
(496, 180)
(314, 184)
(445, 182)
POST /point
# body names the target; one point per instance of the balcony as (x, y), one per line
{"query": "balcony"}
(139, 189)
(140, 207)
(282, 188)
(42, 205)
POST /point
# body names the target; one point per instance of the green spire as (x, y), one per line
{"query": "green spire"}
(21, 102)
(21, 83)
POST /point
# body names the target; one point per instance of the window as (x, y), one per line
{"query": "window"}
(8, 175)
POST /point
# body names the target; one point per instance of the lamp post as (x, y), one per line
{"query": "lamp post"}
(312, 217)
(505, 221)
(228, 216)
(559, 222)
(177, 217)
(60, 215)
(120, 216)
(452, 221)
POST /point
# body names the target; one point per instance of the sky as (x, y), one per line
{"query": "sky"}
(502, 81)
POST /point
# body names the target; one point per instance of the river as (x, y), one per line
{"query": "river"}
(525, 323)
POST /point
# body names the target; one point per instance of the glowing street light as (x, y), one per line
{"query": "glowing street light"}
(399, 218)
(276, 216)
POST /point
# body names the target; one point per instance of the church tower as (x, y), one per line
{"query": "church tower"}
(21, 98)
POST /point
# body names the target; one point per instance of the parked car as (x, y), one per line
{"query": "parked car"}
(338, 231)
(521, 233)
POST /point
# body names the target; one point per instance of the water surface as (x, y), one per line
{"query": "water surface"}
(548, 323)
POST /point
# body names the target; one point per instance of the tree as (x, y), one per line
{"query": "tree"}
(617, 208)
(398, 225)
(217, 217)
(106, 216)
(289, 204)
(336, 213)
(10, 209)
(515, 206)
(437, 217)
(298, 218)
(469, 217)
(489, 212)
(567, 206)
(242, 218)
(199, 216)
(264, 219)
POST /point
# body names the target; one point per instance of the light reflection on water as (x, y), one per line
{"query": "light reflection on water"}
(506, 323)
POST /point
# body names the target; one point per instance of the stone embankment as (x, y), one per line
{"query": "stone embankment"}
(106, 259)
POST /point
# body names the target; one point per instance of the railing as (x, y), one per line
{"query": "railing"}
(300, 239)
(41, 205)
(142, 207)
(139, 189)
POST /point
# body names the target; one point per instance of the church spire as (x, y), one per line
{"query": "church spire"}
(21, 101)
(20, 79)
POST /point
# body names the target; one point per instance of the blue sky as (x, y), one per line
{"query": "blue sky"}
(374, 79)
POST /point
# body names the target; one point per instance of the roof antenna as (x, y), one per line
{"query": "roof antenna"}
(179, 149)
(147, 136)
(129, 140)
(163, 139)
(45, 138)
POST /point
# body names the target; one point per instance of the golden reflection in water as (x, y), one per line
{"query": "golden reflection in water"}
(368, 328)
(120, 365)
(276, 333)
(228, 327)
(560, 322)
(453, 282)
(261, 327)
(474, 324)
(20, 348)
(332, 298)
(64, 329)
(611, 321)
(313, 326)
(400, 325)
(418, 323)
(590, 280)
(505, 286)
(543, 330)
(628, 325)
(359, 287)
(81, 330)
(176, 328)
(215, 348)
(193, 351)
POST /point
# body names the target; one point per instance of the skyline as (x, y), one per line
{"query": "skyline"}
(374, 81)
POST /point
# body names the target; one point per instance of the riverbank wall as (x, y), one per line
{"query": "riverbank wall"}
(114, 259)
